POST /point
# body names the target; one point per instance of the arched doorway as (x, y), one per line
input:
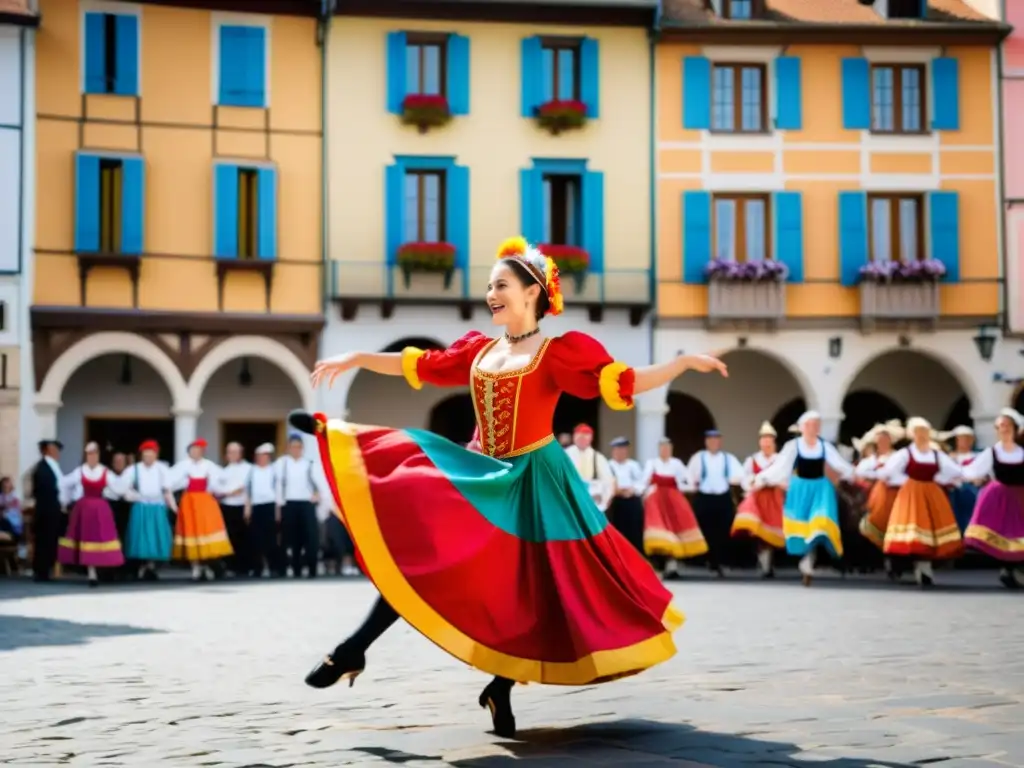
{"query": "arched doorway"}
(959, 415)
(862, 410)
(572, 411)
(453, 418)
(1018, 400)
(685, 424)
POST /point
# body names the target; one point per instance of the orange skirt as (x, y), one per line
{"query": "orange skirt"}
(199, 532)
(670, 527)
(922, 523)
(880, 501)
(760, 515)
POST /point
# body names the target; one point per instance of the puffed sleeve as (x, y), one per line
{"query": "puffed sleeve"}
(442, 367)
(582, 367)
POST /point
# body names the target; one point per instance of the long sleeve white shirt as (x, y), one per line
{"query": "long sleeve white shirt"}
(628, 474)
(782, 468)
(148, 483)
(896, 465)
(593, 468)
(232, 483)
(714, 473)
(759, 461)
(867, 469)
(981, 467)
(72, 481)
(262, 485)
(673, 467)
(296, 479)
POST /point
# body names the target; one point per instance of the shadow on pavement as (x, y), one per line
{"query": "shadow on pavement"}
(31, 632)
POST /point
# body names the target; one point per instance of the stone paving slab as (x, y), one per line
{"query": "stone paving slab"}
(862, 675)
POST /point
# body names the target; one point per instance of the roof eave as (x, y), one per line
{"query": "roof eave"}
(752, 32)
(19, 19)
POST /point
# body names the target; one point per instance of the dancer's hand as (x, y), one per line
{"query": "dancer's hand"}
(333, 367)
(706, 364)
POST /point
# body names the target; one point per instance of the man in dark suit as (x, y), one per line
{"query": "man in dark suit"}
(48, 520)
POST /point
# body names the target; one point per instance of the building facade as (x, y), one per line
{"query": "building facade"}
(18, 23)
(449, 133)
(842, 142)
(177, 256)
(1012, 88)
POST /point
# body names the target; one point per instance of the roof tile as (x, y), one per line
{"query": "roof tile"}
(819, 12)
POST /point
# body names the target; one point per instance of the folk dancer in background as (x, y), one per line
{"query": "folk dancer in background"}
(231, 493)
(671, 531)
(199, 534)
(883, 491)
(298, 495)
(148, 486)
(810, 515)
(713, 472)
(921, 525)
(262, 514)
(964, 496)
(91, 537)
(759, 515)
(626, 511)
(50, 499)
(121, 508)
(592, 466)
(997, 525)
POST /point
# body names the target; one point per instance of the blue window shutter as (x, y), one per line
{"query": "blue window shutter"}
(789, 233)
(87, 203)
(458, 74)
(394, 219)
(590, 77)
(126, 74)
(255, 72)
(396, 72)
(593, 218)
(696, 235)
(225, 183)
(944, 216)
(133, 205)
(457, 210)
(266, 223)
(853, 236)
(856, 94)
(95, 53)
(946, 94)
(531, 205)
(788, 94)
(696, 92)
(532, 83)
(233, 44)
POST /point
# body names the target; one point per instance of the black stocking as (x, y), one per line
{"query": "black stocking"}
(381, 617)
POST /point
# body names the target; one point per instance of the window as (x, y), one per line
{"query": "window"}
(738, 103)
(739, 9)
(425, 65)
(424, 207)
(897, 98)
(562, 210)
(741, 227)
(111, 183)
(560, 60)
(111, 53)
(245, 212)
(243, 67)
(248, 213)
(109, 209)
(897, 225)
(905, 9)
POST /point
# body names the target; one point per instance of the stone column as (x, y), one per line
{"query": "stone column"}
(651, 409)
(984, 431)
(186, 427)
(830, 424)
(46, 421)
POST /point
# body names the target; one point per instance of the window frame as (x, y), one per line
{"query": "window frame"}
(894, 223)
(897, 97)
(442, 203)
(110, 210)
(739, 235)
(556, 44)
(421, 40)
(737, 98)
(248, 220)
(571, 180)
(756, 10)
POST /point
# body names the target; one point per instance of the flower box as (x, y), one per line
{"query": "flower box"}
(766, 271)
(918, 271)
(437, 258)
(425, 112)
(746, 300)
(899, 300)
(558, 115)
(571, 260)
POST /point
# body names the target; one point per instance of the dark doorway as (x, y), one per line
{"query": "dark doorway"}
(572, 411)
(125, 436)
(862, 410)
(959, 414)
(453, 418)
(251, 434)
(687, 421)
(1018, 401)
(786, 417)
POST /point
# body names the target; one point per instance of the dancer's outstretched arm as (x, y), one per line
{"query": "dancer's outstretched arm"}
(386, 363)
(653, 376)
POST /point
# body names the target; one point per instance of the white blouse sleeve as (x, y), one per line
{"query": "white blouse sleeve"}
(980, 468)
(866, 468)
(837, 462)
(781, 468)
(949, 470)
(748, 473)
(735, 469)
(72, 479)
(682, 474)
(693, 470)
(894, 465)
(117, 483)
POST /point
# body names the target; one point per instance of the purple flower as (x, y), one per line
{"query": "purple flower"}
(768, 270)
(927, 270)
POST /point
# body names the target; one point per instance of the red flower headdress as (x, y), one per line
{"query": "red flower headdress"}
(542, 268)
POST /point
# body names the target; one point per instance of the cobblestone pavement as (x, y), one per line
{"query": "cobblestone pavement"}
(843, 675)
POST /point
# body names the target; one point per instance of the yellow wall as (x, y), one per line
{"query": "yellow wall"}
(494, 140)
(822, 159)
(179, 142)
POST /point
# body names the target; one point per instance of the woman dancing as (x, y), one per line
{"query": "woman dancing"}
(759, 515)
(501, 558)
(883, 491)
(671, 532)
(962, 496)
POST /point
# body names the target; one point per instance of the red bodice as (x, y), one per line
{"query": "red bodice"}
(923, 471)
(93, 489)
(664, 481)
(197, 484)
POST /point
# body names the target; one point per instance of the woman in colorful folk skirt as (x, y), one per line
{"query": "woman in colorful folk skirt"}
(501, 558)
(883, 491)
(962, 496)
(670, 527)
(149, 525)
(760, 513)
(997, 526)
(921, 525)
(199, 533)
(91, 536)
(810, 516)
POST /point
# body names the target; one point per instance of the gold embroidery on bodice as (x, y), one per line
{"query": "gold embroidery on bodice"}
(495, 400)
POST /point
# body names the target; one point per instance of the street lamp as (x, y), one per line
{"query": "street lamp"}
(984, 343)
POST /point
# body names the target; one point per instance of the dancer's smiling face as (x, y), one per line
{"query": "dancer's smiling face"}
(1006, 428)
(767, 444)
(513, 296)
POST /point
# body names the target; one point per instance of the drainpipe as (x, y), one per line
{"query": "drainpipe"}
(652, 279)
(326, 273)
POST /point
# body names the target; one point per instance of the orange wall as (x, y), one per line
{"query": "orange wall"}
(822, 159)
(179, 140)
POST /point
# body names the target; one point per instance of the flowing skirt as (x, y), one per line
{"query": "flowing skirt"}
(921, 523)
(997, 527)
(199, 532)
(760, 515)
(505, 564)
(91, 536)
(963, 501)
(810, 517)
(149, 532)
(670, 527)
(880, 503)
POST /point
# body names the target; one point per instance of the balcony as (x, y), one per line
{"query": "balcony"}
(733, 303)
(356, 283)
(887, 304)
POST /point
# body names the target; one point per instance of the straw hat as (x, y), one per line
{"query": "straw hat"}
(767, 430)
(963, 429)
(1015, 416)
(794, 429)
(893, 428)
(915, 423)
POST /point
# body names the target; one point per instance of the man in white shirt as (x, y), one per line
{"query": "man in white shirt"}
(626, 511)
(262, 513)
(592, 466)
(231, 492)
(297, 496)
(714, 472)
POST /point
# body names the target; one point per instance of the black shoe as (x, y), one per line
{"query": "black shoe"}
(926, 581)
(1007, 580)
(93, 583)
(302, 421)
(342, 664)
(497, 698)
(768, 574)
